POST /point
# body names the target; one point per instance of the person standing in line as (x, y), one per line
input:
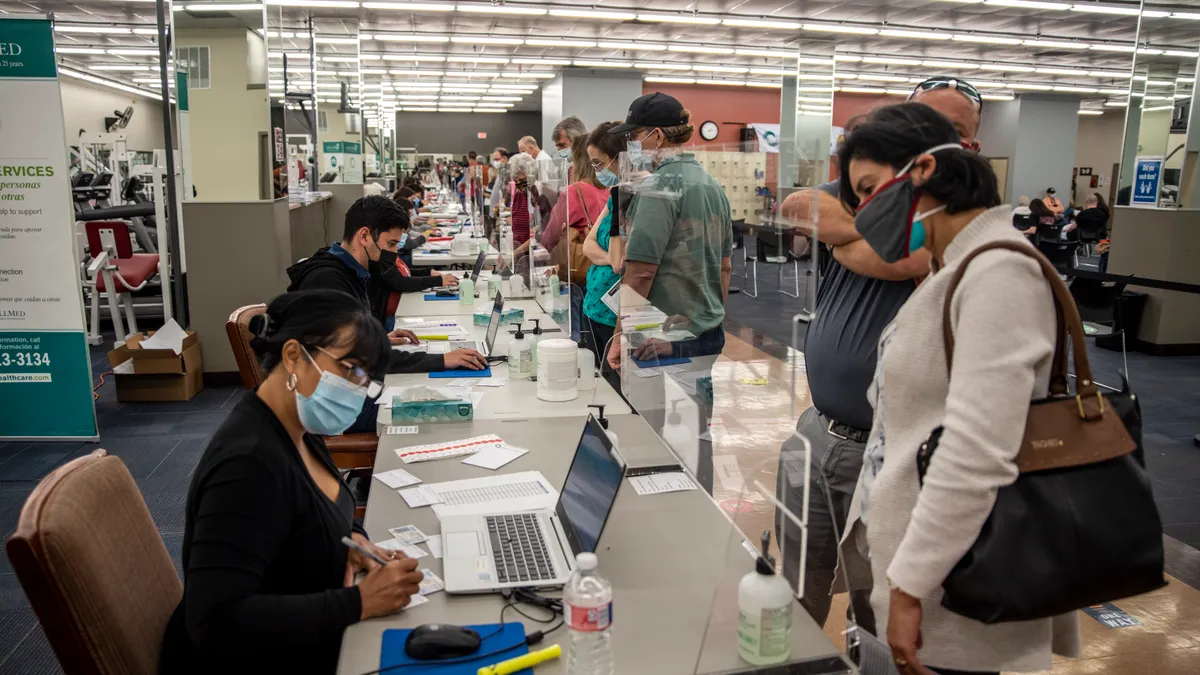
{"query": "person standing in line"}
(859, 295)
(529, 146)
(565, 133)
(603, 150)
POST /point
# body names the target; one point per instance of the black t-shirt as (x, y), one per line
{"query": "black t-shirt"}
(840, 350)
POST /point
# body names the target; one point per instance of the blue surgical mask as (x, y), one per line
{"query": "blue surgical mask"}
(334, 405)
(403, 240)
(637, 158)
(607, 178)
(564, 153)
(916, 239)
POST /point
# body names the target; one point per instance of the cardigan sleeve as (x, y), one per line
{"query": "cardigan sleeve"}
(1004, 328)
(241, 519)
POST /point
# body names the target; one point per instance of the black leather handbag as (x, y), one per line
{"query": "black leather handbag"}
(1079, 526)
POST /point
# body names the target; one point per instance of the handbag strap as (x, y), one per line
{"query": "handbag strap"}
(1069, 325)
(583, 203)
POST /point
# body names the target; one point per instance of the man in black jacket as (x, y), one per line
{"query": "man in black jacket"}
(359, 265)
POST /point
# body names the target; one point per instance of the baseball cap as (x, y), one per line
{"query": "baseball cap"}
(652, 110)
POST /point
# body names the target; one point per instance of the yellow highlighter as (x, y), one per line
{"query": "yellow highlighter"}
(522, 662)
(434, 337)
(644, 326)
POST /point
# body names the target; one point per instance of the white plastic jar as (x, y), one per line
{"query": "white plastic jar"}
(557, 370)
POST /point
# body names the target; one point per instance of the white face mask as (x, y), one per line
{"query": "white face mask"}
(495, 164)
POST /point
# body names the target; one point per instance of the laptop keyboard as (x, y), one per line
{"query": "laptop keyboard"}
(518, 548)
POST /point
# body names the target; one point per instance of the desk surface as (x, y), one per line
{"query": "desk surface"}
(425, 258)
(674, 559)
(414, 305)
(517, 398)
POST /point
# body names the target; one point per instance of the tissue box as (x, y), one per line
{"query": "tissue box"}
(431, 412)
(506, 317)
(704, 389)
(157, 374)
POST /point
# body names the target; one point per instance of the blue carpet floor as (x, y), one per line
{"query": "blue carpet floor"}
(161, 443)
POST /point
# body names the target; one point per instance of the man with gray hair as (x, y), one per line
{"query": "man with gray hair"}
(529, 146)
(565, 133)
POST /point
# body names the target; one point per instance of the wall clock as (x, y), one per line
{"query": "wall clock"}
(708, 130)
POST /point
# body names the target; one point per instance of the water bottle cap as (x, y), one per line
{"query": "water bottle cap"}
(587, 561)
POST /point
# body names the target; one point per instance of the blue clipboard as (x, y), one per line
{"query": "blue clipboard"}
(435, 296)
(656, 362)
(510, 635)
(461, 372)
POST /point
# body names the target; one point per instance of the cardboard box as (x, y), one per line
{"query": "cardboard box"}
(157, 374)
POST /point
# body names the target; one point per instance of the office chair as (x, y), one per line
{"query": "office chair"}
(95, 569)
(1060, 253)
(353, 454)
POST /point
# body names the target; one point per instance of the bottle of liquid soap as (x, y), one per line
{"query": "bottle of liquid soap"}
(519, 356)
(587, 367)
(466, 290)
(764, 612)
(535, 336)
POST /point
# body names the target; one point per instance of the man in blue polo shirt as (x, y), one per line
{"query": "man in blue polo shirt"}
(858, 297)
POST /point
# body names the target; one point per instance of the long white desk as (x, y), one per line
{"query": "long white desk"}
(423, 257)
(674, 560)
(517, 398)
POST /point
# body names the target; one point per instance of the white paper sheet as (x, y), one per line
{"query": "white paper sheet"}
(400, 431)
(672, 481)
(495, 457)
(397, 478)
(420, 496)
(416, 601)
(170, 336)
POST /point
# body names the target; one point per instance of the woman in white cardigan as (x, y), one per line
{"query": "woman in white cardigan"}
(915, 186)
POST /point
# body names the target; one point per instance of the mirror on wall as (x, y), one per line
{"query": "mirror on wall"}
(1162, 90)
(292, 93)
(223, 57)
(338, 87)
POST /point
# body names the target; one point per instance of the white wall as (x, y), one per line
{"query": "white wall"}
(552, 110)
(1098, 146)
(1045, 149)
(596, 97)
(86, 105)
(998, 137)
(225, 119)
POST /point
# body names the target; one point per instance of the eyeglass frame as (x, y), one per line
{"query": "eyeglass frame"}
(374, 387)
(970, 91)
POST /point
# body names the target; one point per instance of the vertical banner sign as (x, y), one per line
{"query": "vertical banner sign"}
(332, 161)
(185, 136)
(352, 170)
(45, 371)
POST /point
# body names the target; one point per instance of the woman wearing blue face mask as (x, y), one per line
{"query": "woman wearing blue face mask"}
(603, 149)
(268, 585)
(914, 186)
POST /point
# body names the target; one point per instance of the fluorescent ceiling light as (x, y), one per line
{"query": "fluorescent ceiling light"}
(1185, 15)
(1105, 47)
(636, 46)
(602, 64)
(416, 109)
(698, 49)
(471, 73)
(1177, 52)
(222, 7)
(485, 41)
(514, 87)
(373, 71)
(670, 80)
(688, 19)
(413, 57)
(541, 62)
(840, 28)
(1160, 83)
(997, 97)
(760, 83)
(480, 8)
(489, 110)
(985, 39)
(881, 78)
(460, 98)
(915, 34)
(1114, 92)
(555, 42)
(594, 14)
(862, 90)
(809, 113)
(78, 50)
(1029, 87)
(145, 31)
(1007, 67)
(410, 6)
(1029, 4)
(1088, 111)
(1116, 104)
(984, 84)
(848, 58)
(413, 37)
(520, 75)
(813, 76)
(719, 69)
(1077, 90)
(418, 73)
(331, 4)
(476, 59)
(818, 108)
(815, 61)
(98, 30)
(812, 99)
(330, 40)
(951, 65)
(646, 65)
(1104, 9)
(891, 61)
(119, 67)
(339, 59)
(1054, 44)
(1063, 71)
(768, 53)
(723, 83)
(1108, 73)
(762, 23)
(455, 110)
(1148, 51)
(500, 98)
(109, 83)
(816, 90)
(770, 71)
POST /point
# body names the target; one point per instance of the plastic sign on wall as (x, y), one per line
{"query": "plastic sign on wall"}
(45, 370)
(342, 158)
(1147, 180)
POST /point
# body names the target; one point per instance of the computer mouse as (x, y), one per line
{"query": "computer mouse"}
(440, 641)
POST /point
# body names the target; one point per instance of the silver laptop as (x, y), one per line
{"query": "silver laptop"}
(484, 554)
(489, 339)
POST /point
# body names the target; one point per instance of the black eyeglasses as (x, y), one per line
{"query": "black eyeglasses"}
(943, 82)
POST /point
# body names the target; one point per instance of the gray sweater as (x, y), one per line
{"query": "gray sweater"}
(1004, 326)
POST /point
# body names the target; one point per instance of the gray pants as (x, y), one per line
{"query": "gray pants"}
(836, 462)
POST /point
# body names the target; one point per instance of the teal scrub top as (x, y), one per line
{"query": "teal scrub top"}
(600, 278)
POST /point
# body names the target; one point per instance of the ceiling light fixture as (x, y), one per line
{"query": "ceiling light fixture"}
(78, 50)
(523, 10)
(670, 80)
(410, 6)
(485, 41)
(108, 83)
(771, 71)
(1108, 73)
(997, 97)
(701, 68)
(1029, 4)
(327, 40)
(1178, 52)
(1104, 9)
(768, 53)
(602, 64)
(412, 37)
(698, 49)
(84, 28)
(635, 46)
(985, 39)
(330, 4)
(1007, 68)
(689, 19)
(1115, 92)
(1054, 44)
(862, 90)
(914, 34)
(1077, 90)
(555, 42)
(1089, 111)
(840, 28)
(761, 23)
(542, 62)
(222, 7)
(723, 83)
(594, 14)
(1062, 71)
(476, 59)
(119, 67)
(951, 65)
(1029, 87)
(528, 73)
(413, 57)
(1107, 47)
(761, 83)
(648, 65)
(891, 61)
(881, 78)
(1116, 104)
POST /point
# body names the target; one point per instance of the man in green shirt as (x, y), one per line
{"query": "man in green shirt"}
(680, 233)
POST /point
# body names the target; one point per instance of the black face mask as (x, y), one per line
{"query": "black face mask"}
(386, 261)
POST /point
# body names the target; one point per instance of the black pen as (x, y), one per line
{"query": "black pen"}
(354, 545)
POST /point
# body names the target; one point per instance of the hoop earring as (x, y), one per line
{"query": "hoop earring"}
(291, 382)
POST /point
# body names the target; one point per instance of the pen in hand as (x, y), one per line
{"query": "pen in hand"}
(351, 544)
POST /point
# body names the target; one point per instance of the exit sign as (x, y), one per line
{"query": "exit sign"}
(481, 135)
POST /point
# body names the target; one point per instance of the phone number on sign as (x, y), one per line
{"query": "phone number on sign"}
(24, 359)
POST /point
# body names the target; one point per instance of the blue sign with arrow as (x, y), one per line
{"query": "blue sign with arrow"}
(1148, 176)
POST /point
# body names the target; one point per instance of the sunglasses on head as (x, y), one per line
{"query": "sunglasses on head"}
(942, 82)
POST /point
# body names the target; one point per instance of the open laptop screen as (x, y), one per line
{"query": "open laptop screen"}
(478, 265)
(590, 489)
(494, 322)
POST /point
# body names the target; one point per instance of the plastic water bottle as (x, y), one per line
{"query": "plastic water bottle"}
(587, 604)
